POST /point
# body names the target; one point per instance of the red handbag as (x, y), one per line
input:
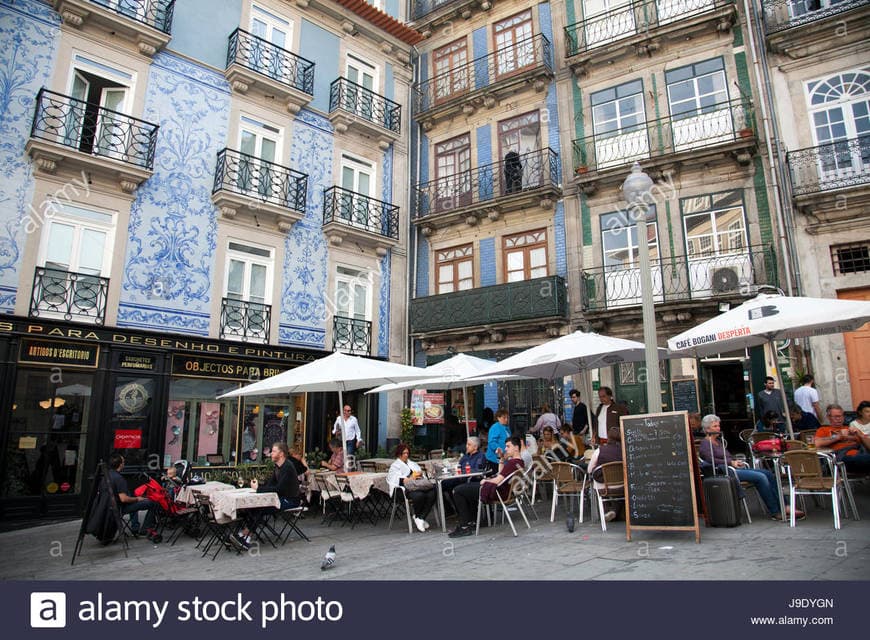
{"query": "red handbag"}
(767, 446)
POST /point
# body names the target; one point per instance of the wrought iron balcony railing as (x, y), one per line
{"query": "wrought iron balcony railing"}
(75, 296)
(514, 175)
(245, 321)
(425, 7)
(154, 13)
(270, 60)
(681, 278)
(357, 211)
(780, 15)
(536, 299)
(365, 103)
(834, 165)
(484, 73)
(709, 126)
(246, 175)
(92, 129)
(351, 335)
(637, 16)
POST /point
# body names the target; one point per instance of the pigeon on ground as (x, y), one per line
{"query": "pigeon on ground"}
(328, 559)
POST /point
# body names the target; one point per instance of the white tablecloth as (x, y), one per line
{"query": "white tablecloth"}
(227, 504)
(185, 495)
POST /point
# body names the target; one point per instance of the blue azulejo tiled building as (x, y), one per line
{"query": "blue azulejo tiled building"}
(193, 195)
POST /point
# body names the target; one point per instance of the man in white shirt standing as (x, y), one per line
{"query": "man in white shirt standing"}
(352, 432)
(807, 398)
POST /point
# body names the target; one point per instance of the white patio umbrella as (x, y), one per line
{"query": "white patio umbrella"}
(450, 374)
(336, 372)
(570, 354)
(766, 318)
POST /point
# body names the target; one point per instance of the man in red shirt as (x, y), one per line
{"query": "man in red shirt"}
(845, 444)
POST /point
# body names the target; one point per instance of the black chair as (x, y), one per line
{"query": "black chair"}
(291, 517)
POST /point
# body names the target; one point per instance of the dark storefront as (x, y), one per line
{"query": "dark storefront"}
(73, 395)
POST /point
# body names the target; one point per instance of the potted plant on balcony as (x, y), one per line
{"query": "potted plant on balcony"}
(580, 169)
(746, 132)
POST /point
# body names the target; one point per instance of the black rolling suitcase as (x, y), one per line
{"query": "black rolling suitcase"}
(720, 493)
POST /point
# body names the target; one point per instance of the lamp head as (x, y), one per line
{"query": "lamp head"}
(637, 186)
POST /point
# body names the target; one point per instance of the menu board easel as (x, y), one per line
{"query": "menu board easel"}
(659, 473)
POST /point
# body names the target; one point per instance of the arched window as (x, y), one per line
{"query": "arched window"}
(840, 116)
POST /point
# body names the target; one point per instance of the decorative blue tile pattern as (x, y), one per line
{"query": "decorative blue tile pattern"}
(559, 240)
(383, 349)
(424, 159)
(304, 305)
(490, 396)
(173, 224)
(29, 34)
(479, 40)
(553, 119)
(484, 160)
(423, 267)
(487, 262)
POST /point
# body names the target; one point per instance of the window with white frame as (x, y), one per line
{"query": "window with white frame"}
(352, 319)
(76, 254)
(607, 20)
(714, 224)
(619, 123)
(358, 180)
(246, 312)
(698, 101)
(455, 269)
(260, 146)
(619, 240)
(525, 256)
(359, 94)
(274, 35)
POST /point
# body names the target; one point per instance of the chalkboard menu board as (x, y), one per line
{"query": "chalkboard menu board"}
(659, 476)
(685, 395)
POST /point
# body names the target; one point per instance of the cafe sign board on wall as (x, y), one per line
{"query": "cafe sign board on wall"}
(54, 353)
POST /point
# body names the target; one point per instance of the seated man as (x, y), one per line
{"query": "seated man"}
(845, 442)
(568, 450)
(130, 504)
(611, 451)
(467, 496)
(336, 462)
(284, 481)
(472, 460)
(712, 452)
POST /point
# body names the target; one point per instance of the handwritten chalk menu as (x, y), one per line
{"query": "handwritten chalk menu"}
(659, 476)
(685, 395)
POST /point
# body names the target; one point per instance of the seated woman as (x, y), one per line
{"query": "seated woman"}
(862, 422)
(548, 442)
(401, 471)
(610, 452)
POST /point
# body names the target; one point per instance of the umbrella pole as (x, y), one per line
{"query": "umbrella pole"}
(465, 402)
(343, 428)
(782, 390)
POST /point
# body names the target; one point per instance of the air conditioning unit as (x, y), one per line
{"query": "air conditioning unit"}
(724, 280)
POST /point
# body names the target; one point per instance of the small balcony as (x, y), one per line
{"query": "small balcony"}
(736, 274)
(352, 216)
(351, 335)
(641, 27)
(355, 108)
(258, 188)
(85, 136)
(257, 64)
(517, 182)
(801, 28)
(76, 297)
(823, 177)
(724, 131)
(245, 321)
(485, 80)
(146, 22)
(538, 301)
(427, 14)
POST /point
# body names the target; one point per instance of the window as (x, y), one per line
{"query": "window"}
(851, 258)
(274, 34)
(352, 310)
(515, 49)
(358, 180)
(619, 121)
(455, 267)
(519, 139)
(260, 146)
(525, 256)
(619, 241)
(840, 113)
(453, 173)
(450, 73)
(607, 20)
(359, 96)
(698, 100)
(714, 224)
(95, 123)
(247, 290)
(76, 252)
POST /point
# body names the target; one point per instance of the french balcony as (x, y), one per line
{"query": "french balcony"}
(518, 182)
(823, 177)
(148, 23)
(352, 216)
(642, 27)
(245, 321)
(493, 309)
(799, 28)
(679, 279)
(85, 136)
(355, 108)
(352, 336)
(724, 131)
(485, 80)
(76, 297)
(258, 188)
(259, 65)
(428, 14)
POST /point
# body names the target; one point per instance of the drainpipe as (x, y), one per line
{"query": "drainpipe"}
(786, 241)
(411, 280)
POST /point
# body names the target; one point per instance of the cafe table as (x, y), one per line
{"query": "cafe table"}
(448, 474)
(228, 503)
(185, 494)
